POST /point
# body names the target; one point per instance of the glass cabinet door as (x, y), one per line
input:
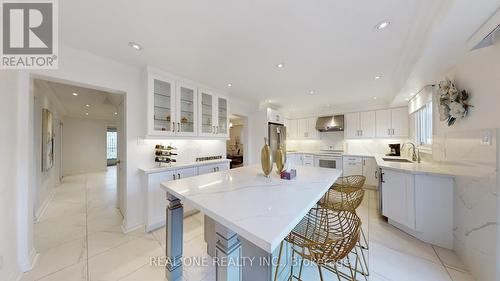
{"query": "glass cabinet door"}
(186, 110)
(207, 107)
(163, 101)
(222, 116)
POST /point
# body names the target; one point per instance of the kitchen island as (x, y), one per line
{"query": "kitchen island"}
(252, 215)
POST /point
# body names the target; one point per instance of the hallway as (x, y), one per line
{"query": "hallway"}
(79, 236)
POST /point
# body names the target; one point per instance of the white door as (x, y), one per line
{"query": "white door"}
(367, 124)
(161, 105)
(400, 122)
(206, 108)
(398, 197)
(351, 125)
(186, 105)
(370, 171)
(353, 166)
(383, 123)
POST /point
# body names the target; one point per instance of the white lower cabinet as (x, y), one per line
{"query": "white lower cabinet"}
(358, 165)
(156, 201)
(300, 159)
(308, 160)
(398, 197)
(421, 205)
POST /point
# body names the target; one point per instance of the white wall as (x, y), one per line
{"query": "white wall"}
(84, 145)
(10, 269)
(45, 181)
(476, 218)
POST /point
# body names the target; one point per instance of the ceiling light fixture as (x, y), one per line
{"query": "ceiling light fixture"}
(374, 98)
(116, 113)
(377, 77)
(311, 92)
(280, 65)
(87, 105)
(75, 94)
(135, 46)
(86, 113)
(383, 24)
(229, 84)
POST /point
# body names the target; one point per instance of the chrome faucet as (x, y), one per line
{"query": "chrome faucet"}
(414, 156)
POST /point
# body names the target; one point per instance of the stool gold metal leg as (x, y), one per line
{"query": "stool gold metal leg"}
(279, 260)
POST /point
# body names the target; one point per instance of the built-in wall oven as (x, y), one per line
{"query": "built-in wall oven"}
(329, 159)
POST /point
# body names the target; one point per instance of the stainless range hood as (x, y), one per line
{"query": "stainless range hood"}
(330, 123)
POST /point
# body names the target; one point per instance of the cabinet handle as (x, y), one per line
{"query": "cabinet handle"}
(178, 127)
(178, 176)
(361, 132)
(393, 132)
(174, 176)
(216, 129)
(382, 178)
(389, 132)
(173, 127)
(213, 129)
(376, 174)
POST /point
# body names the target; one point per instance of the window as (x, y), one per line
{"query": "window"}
(422, 121)
(112, 144)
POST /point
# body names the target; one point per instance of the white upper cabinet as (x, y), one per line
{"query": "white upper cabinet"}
(400, 122)
(306, 128)
(178, 108)
(359, 125)
(186, 109)
(274, 116)
(392, 123)
(213, 115)
(162, 117)
(291, 128)
(351, 125)
(384, 126)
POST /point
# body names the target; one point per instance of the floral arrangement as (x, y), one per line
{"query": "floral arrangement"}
(453, 104)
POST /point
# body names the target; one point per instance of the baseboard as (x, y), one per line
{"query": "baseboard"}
(127, 229)
(33, 259)
(45, 204)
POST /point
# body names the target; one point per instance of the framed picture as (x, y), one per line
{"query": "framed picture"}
(47, 140)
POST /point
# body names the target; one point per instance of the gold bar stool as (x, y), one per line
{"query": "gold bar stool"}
(326, 237)
(347, 194)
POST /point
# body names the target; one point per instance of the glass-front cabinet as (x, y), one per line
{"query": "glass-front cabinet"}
(214, 118)
(186, 109)
(161, 116)
(179, 108)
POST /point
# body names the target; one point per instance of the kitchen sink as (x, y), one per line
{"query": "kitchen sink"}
(401, 160)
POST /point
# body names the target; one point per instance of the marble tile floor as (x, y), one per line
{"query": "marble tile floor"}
(79, 238)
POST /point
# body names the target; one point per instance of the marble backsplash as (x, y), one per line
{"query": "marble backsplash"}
(475, 202)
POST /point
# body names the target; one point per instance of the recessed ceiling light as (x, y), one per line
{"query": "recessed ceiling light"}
(116, 113)
(87, 105)
(383, 24)
(374, 98)
(86, 113)
(311, 92)
(377, 77)
(75, 94)
(135, 46)
(229, 84)
(280, 65)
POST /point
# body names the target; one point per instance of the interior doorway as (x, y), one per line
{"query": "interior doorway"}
(235, 146)
(78, 144)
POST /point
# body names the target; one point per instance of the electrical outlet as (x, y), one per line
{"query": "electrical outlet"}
(486, 137)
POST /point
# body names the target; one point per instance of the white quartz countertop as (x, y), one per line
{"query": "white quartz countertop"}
(175, 166)
(262, 210)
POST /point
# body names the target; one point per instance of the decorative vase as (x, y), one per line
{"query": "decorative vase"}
(280, 159)
(266, 159)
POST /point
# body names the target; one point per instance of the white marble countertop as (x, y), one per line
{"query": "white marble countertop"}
(176, 166)
(261, 210)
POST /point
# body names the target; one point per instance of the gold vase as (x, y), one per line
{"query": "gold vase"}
(266, 159)
(280, 159)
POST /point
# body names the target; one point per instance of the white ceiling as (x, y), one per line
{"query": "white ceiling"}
(101, 105)
(328, 46)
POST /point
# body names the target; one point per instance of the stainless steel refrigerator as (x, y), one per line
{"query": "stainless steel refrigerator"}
(277, 137)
